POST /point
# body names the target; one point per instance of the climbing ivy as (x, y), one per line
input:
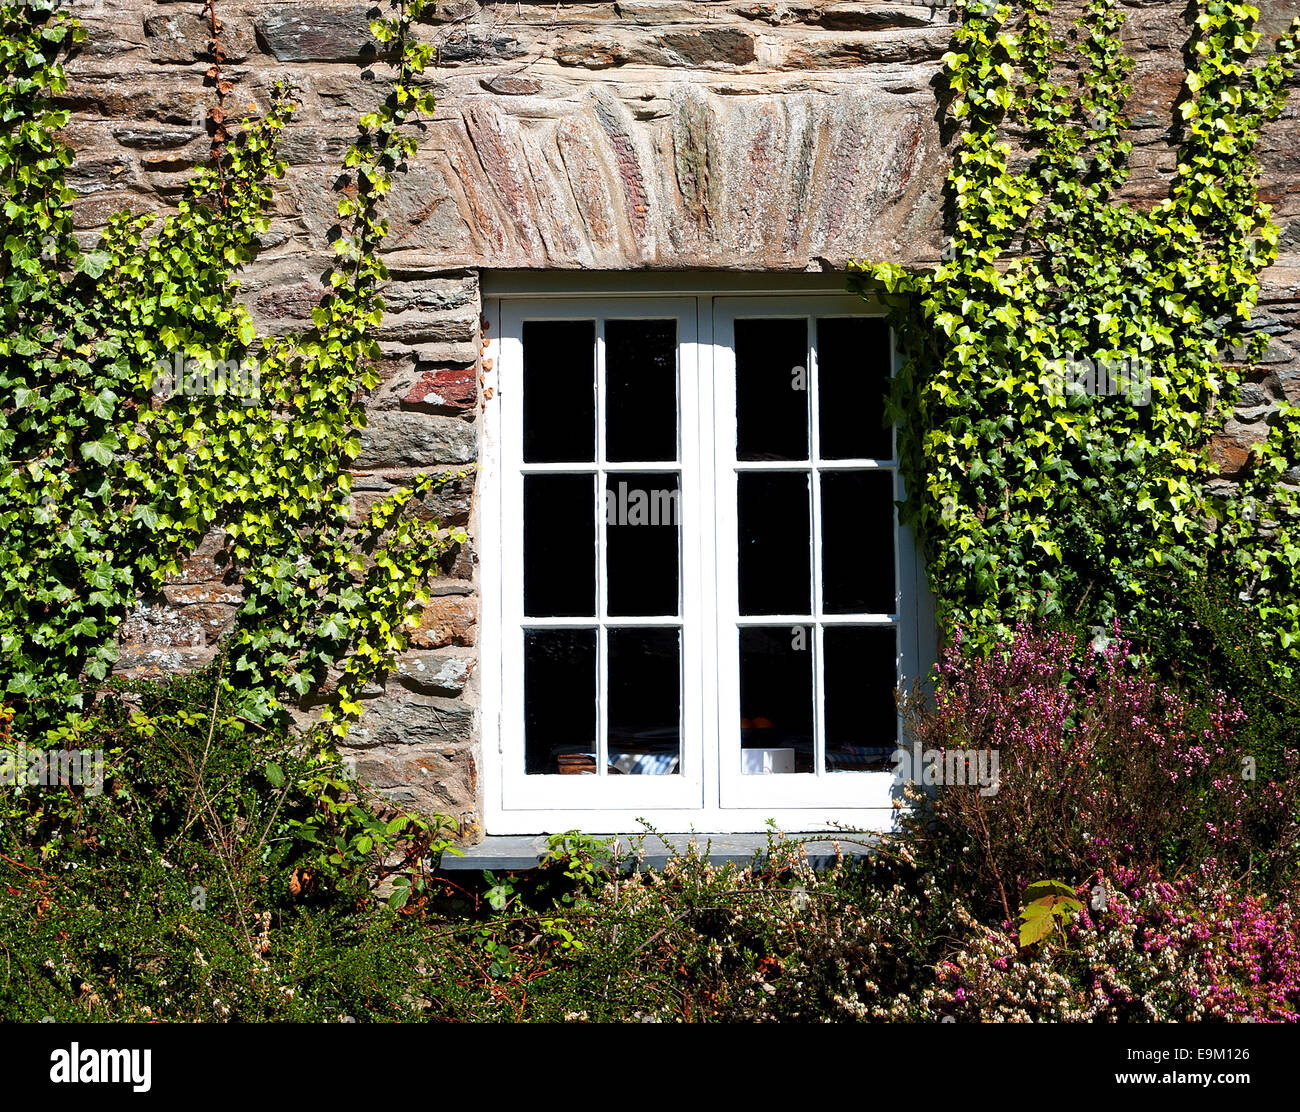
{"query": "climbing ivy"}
(109, 482)
(1033, 492)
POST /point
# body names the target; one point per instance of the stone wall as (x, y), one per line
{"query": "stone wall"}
(663, 134)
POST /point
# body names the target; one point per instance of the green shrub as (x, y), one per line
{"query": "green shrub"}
(218, 871)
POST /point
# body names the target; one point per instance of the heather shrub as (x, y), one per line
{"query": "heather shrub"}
(1199, 636)
(696, 941)
(1101, 767)
(1165, 951)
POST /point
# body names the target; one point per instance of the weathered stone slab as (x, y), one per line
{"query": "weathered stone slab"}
(434, 673)
(445, 388)
(311, 33)
(424, 326)
(478, 48)
(449, 505)
(731, 46)
(184, 37)
(868, 17)
(415, 440)
(448, 620)
(508, 86)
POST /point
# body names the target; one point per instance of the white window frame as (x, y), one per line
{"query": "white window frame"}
(683, 790)
(704, 796)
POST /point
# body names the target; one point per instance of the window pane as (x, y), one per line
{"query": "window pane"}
(559, 391)
(776, 699)
(861, 718)
(640, 390)
(560, 701)
(559, 546)
(642, 516)
(858, 542)
(774, 529)
(852, 373)
(645, 691)
(771, 389)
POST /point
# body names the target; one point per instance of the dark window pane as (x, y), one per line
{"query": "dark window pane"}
(559, 391)
(861, 718)
(776, 699)
(645, 691)
(559, 701)
(642, 516)
(774, 530)
(640, 390)
(771, 389)
(858, 542)
(852, 372)
(559, 546)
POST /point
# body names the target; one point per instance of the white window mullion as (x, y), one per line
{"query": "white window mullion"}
(907, 571)
(602, 569)
(701, 604)
(816, 645)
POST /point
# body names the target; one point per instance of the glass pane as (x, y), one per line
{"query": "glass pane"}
(861, 718)
(559, 546)
(559, 701)
(776, 699)
(771, 389)
(645, 691)
(774, 529)
(642, 516)
(858, 542)
(559, 391)
(640, 390)
(852, 373)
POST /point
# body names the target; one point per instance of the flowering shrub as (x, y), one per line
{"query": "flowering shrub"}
(204, 883)
(1101, 767)
(692, 941)
(886, 939)
(1159, 950)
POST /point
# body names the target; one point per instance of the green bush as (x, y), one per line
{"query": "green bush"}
(218, 871)
(692, 941)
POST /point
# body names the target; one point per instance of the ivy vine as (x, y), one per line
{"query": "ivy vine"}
(107, 486)
(1041, 495)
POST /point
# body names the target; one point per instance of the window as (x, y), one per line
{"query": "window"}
(697, 599)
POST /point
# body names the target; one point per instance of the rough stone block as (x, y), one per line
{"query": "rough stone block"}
(434, 673)
(184, 37)
(310, 33)
(415, 440)
(448, 620)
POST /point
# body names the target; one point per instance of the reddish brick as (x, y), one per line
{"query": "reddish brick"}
(448, 388)
(448, 620)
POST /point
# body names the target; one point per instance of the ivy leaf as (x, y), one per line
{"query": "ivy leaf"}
(146, 515)
(92, 264)
(101, 450)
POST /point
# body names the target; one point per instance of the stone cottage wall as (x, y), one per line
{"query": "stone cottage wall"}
(664, 134)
